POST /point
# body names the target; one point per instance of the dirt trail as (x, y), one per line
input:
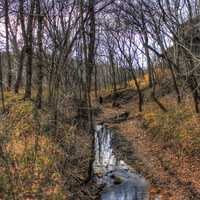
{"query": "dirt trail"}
(171, 175)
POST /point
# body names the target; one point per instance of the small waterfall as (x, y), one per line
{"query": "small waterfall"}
(104, 157)
(120, 181)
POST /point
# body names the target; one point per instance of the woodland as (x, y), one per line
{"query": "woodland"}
(67, 66)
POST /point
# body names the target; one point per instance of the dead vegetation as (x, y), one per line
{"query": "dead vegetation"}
(164, 147)
(36, 162)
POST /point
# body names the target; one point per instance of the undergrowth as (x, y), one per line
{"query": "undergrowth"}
(177, 128)
(36, 162)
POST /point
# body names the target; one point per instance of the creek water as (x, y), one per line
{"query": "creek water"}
(119, 181)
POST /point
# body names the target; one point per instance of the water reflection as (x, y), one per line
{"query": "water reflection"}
(120, 181)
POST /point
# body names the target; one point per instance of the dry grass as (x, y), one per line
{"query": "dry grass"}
(143, 82)
(167, 145)
(37, 163)
(179, 126)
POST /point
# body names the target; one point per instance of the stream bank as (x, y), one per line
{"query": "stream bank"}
(155, 162)
(171, 171)
(118, 180)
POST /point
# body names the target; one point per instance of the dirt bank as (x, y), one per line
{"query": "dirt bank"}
(172, 174)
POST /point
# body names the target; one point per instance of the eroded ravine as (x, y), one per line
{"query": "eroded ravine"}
(120, 181)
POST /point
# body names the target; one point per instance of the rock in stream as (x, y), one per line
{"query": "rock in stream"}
(120, 181)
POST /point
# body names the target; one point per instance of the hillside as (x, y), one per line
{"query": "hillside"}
(163, 147)
(36, 162)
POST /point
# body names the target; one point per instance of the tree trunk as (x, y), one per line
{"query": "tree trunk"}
(149, 67)
(191, 79)
(192, 82)
(28, 89)
(29, 52)
(89, 64)
(140, 95)
(153, 95)
(175, 83)
(20, 70)
(39, 57)
(9, 75)
(95, 81)
(50, 81)
(113, 73)
(1, 86)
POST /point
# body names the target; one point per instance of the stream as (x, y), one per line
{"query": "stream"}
(119, 181)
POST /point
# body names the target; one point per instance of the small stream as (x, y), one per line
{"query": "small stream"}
(120, 181)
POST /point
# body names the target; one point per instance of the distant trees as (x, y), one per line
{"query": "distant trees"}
(68, 46)
(159, 25)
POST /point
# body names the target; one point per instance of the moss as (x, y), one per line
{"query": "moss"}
(117, 180)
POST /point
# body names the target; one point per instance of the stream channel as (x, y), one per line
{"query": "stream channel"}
(120, 181)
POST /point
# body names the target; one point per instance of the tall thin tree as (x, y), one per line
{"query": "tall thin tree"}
(9, 71)
(39, 55)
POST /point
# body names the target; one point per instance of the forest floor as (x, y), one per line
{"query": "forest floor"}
(37, 161)
(163, 147)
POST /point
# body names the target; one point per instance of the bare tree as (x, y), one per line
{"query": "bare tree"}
(1, 86)
(28, 42)
(39, 55)
(9, 75)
